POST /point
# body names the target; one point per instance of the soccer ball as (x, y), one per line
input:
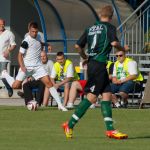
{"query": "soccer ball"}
(32, 105)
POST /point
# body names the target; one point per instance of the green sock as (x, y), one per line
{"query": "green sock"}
(107, 114)
(79, 112)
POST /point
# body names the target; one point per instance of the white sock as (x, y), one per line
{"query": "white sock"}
(9, 79)
(55, 95)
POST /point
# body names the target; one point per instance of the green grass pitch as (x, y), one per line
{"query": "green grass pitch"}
(21, 129)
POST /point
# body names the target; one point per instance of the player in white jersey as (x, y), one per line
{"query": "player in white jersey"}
(30, 64)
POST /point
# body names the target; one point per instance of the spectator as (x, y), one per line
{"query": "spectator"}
(125, 75)
(62, 74)
(48, 65)
(7, 45)
(30, 64)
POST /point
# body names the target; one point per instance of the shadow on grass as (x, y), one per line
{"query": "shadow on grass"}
(98, 137)
(140, 137)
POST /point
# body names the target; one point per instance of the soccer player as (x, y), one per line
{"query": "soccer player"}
(30, 64)
(100, 38)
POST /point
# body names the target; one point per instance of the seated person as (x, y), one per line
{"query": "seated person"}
(48, 65)
(125, 74)
(62, 74)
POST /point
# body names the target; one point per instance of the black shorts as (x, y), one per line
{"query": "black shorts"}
(98, 80)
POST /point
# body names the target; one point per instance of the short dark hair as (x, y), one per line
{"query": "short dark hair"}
(33, 24)
(120, 50)
(60, 53)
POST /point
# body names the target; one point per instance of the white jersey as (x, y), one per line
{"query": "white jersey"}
(48, 67)
(31, 48)
(7, 39)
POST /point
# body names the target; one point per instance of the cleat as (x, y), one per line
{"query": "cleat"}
(68, 132)
(116, 134)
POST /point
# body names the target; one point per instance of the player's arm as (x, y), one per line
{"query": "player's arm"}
(79, 46)
(22, 50)
(117, 45)
(81, 51)
(21, 62)
(112, 36)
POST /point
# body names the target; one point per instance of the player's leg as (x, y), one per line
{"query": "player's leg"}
(78, 114)
(3, 66)
(91, 89)
(106, 110)
(40, 73)
(82, 108)
(15, 84)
